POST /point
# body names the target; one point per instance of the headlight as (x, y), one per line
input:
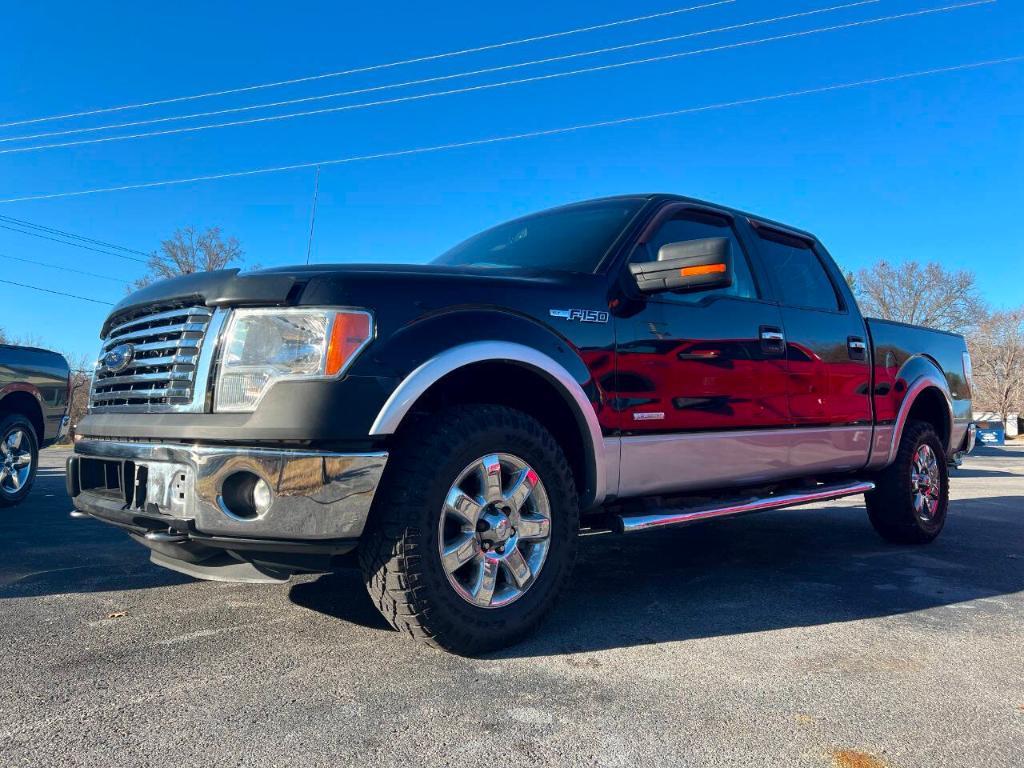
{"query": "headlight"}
(264, 346)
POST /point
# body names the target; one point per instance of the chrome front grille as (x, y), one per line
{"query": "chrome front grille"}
(162, 348)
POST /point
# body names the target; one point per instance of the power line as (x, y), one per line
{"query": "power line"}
(56, 293)
(64, 233)
(61, 267)
(376, 67)
(520, 136)
(505, 83)
(439, 78)
(74, 245)
(312, 214)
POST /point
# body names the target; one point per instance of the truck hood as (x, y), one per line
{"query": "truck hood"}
(297, 285)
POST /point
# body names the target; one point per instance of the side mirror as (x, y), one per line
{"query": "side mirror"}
(696, 265)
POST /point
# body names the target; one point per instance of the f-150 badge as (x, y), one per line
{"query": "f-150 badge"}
(582, 315)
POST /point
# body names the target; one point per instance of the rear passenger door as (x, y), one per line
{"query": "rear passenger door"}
(826, 348)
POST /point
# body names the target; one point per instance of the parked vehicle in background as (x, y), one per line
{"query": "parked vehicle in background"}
(34, 392)
(637, 362)
(991, 432)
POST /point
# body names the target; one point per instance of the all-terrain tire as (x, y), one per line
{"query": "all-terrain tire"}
(891, 506)
(399, 554)
(29, 446)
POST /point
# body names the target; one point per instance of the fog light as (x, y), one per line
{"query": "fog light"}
(262, 496)
(245, 496)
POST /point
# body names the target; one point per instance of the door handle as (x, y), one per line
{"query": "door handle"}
(857, 347)
(773, 340)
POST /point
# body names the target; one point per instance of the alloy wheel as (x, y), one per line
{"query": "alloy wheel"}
(495, 530)
(925, 483)
(15, 460)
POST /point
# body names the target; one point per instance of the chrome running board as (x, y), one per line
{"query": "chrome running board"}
(633, 523)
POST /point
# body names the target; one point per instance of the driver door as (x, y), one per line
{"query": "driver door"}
(699, 374)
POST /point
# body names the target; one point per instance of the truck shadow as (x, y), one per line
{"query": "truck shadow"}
(44, 552)
(794, 568)
(958, 473)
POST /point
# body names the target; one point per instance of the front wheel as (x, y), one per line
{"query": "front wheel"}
(474, 529)
(909, 503)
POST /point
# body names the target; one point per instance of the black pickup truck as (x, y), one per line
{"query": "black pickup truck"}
(627, 363)
(35, 385)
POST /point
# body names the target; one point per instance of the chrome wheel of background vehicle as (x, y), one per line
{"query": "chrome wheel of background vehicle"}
(925, 482)
(495, 530)
(15, 460)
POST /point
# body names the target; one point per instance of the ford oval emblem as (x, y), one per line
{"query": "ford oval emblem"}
(117, 359)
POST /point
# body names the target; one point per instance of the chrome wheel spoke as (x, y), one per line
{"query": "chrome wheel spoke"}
(463, 506)
(533, 527)
(517, 568)
(15, 480)
(14, 440)
(522, 486)
(22, 459)
(483, 589)
(460, 552)
(490, 479)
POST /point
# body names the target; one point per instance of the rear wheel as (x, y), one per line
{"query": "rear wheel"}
(911, 497)
(474, 529)
(19, 455)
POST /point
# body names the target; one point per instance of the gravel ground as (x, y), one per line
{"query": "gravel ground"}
(793, 638)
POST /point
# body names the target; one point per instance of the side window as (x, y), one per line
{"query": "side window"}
(697, 225)
(800, 276)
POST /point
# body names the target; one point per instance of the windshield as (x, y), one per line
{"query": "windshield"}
(572, 239)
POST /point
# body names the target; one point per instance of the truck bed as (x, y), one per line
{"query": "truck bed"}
(895, 347)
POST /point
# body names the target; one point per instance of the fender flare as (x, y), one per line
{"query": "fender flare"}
(924, 381)
(417, 382)
(22, 386)
(31, 389)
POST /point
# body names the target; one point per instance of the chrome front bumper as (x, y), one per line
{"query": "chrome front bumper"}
(316, 496)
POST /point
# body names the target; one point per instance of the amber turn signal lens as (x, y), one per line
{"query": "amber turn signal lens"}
(350, 331)
(707, 269)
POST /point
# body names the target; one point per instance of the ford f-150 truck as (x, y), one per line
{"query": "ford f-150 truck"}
(626, 364)
(35, 386)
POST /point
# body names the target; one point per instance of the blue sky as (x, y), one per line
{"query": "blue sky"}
(929, 168)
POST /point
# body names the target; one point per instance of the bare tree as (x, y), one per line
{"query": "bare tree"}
(920, 294)
(81, 379)
(28, 340)
(997, 353)
(189, 251)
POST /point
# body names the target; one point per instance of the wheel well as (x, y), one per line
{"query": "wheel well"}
(931, 406)
(516, 386)
(25, 404)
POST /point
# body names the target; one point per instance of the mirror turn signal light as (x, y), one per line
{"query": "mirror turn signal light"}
(704, 269)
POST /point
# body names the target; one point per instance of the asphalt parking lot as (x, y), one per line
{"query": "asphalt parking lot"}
(790, 638)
